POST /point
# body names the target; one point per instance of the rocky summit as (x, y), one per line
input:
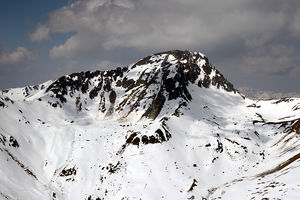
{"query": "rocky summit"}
(170, 126)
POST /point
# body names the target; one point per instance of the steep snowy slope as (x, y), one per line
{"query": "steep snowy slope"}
(168, 127)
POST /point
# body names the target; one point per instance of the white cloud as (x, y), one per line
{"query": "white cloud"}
(41, 33)
(65, 50)
(104, 25)
(19, 55)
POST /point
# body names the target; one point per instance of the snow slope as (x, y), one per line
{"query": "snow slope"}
(168, 127)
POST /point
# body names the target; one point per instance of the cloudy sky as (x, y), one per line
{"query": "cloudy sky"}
(254, 43)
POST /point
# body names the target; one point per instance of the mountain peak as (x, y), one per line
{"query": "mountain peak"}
(190, 66)
(179, 55)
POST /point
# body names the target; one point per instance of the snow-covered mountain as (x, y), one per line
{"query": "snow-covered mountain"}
(167, 127)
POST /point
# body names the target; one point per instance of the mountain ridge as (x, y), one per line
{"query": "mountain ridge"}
(171, 76)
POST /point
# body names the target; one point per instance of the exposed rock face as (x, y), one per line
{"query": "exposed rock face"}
(155, 79)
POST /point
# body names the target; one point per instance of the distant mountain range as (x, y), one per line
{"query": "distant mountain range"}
(264, 94)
